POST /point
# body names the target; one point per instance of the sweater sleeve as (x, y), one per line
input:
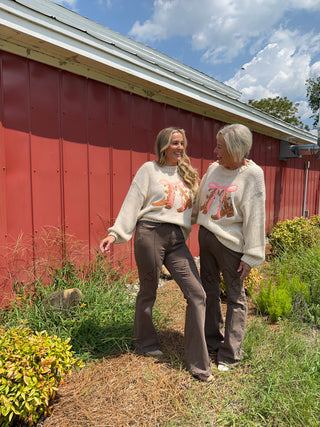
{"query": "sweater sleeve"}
(196, 203)
(254, 224)
(195, 209)
(126, 221)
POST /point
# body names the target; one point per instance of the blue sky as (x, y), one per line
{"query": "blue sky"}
(263, 48)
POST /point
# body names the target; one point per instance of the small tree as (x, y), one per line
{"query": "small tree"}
(313, 95)
(279, 107)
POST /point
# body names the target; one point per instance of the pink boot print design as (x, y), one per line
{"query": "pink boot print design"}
(171, 188)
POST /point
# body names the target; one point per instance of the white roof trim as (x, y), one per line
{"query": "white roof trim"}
(51, 23)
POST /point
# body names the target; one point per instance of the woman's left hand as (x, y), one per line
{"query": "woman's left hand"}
(245, 269)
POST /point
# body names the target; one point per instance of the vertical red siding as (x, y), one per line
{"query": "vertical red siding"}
(17, 210)
(100, 196)
(16, 137)
(3, 196)
(74, 111)
(44, 92)
(70, 146)
(122, 144)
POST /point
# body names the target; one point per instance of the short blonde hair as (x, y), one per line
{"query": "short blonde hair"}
(238, 140)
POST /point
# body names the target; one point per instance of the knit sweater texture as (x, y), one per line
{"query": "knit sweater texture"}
(231, 204)
(156, 194)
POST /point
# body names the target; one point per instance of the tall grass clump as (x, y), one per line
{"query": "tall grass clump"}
(100, 325)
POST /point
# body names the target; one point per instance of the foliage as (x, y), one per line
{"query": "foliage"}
(281, 108)
(315, 220)
(293, 273)
(278, 301)
(249, 283)
(293, 235)
(101, 325)
(32, 365)
(252, 281)
(313, 95)
(305, 266)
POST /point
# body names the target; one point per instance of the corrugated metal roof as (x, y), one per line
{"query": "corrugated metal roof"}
(47, 32)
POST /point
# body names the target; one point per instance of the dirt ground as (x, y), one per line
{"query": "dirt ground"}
(130, 389)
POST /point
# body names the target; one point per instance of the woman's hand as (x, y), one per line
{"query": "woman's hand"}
(245, 268)
(106, 243)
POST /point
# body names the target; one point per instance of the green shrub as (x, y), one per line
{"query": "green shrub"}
(32, 366)
(278, 301)
(293, 235)
(315, 220)
(273, 301)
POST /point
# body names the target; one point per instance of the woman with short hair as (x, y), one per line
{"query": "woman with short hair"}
(231, 215)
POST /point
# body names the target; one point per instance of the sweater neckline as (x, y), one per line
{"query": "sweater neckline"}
(238, 170)
(167, 168)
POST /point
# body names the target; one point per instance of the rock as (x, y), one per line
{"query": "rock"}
(165, 273)
(63, 299)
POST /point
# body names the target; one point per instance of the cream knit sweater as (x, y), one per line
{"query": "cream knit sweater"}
(231, 204)
(156, 194)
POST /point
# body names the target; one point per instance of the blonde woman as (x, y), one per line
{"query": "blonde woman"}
(159, 207)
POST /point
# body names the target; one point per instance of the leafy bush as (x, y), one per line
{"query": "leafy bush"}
(293, 235)
(315, 220)
(252, 281)
(32, 365)
(249, 283)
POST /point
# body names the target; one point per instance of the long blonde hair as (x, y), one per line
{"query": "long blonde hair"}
(186, 171)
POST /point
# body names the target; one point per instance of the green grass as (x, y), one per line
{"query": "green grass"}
(280, 385)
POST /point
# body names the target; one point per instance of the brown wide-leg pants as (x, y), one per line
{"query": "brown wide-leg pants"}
(216, 258)
(156, 244)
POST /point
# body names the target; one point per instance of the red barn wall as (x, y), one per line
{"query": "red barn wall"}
(70, 146)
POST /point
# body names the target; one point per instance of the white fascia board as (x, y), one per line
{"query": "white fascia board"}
(60, 27)
(48, 20)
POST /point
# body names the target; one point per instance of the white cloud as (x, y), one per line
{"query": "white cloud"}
(304, 111)
(282, 57)
(171, 18)
(281, 68)
(149, 31)
(222, 29)
(315, 69)
(106, 3)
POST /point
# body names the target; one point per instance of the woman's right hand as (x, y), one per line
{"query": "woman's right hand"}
(106, 243)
